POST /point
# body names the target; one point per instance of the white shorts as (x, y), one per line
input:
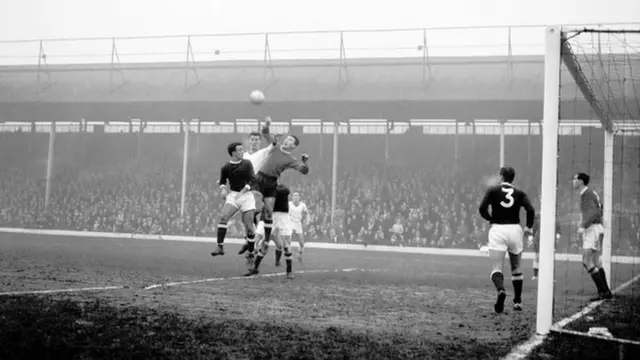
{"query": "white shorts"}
(260, 228)
(296, 226)
(506, 238)
(245, 202)
(279, 227)
(592, 237)
(282, 223)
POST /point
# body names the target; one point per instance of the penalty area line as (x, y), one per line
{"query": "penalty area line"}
(156, 286)
(58, 291)
(523, 350)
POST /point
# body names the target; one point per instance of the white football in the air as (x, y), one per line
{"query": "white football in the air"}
(256, 97)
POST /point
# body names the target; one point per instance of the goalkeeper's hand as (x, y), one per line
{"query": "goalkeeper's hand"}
(305, 158)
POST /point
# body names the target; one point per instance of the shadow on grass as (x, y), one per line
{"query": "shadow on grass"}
(51, 328)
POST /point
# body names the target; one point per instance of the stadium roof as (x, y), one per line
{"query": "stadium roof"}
(454, 78)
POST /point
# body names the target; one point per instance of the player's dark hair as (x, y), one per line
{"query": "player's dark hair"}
(232, 147)
(255, 133)
(584, 178)
(297, 141)
(508, 173)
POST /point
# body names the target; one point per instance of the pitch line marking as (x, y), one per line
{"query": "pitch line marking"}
(566, 321)
(58, 291)
(155, 286)
(522, 351)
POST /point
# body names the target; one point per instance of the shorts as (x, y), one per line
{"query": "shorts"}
(592, 237)
(296, 226)
(506, 237)
(265, 184)
(282, 223)
(260, 228)
(245, 202)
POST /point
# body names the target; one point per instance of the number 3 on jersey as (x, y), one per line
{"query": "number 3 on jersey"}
(508, 195)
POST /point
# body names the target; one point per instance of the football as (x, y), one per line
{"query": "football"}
(256, 97)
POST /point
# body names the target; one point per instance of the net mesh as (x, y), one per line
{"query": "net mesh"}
(600, 80)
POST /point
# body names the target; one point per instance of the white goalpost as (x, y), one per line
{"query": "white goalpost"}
(544, 318)
(602, 68)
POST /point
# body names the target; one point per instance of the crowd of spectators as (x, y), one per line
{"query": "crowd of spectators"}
(415, 193)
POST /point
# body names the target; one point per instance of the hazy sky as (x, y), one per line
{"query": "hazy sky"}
(83, 18)
(35, 19)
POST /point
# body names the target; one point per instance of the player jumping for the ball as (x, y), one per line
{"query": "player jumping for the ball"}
(282, 231)
(238, 174)
(278, 160)
(298, 214)
(506, 233)
(592, 233)
(257, 156)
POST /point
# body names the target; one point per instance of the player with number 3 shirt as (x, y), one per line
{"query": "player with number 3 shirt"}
(501, 208)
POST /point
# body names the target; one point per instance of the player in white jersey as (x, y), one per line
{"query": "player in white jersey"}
(257, 156)
(299, 216)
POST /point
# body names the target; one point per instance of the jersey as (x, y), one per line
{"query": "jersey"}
(239, 174)
(281, 204)
(278, 160)
(295, 212)
(590, 208)
(506, 201)
(257, 158)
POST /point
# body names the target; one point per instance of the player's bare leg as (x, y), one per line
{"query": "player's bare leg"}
(497, 277)
(288, 256)
(278, 241)
(299, 237)
(262, 252)
(536, 266)
(591, 262)
(269, 202)
(250, 230)
(228, 211)
(259, 205)
(517, 280)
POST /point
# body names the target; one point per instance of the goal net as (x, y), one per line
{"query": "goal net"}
(592, 84)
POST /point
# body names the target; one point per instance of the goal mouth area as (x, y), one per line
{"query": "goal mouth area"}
(581, 334)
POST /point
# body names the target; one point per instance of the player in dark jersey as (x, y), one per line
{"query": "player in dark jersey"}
(282, 228)
(235, 186)
(506, 233)
(266, 180)
(592, 233)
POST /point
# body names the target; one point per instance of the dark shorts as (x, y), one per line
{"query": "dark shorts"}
(266, 185)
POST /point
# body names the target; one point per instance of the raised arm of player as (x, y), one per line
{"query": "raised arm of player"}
(484, 205)
(266, 133)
